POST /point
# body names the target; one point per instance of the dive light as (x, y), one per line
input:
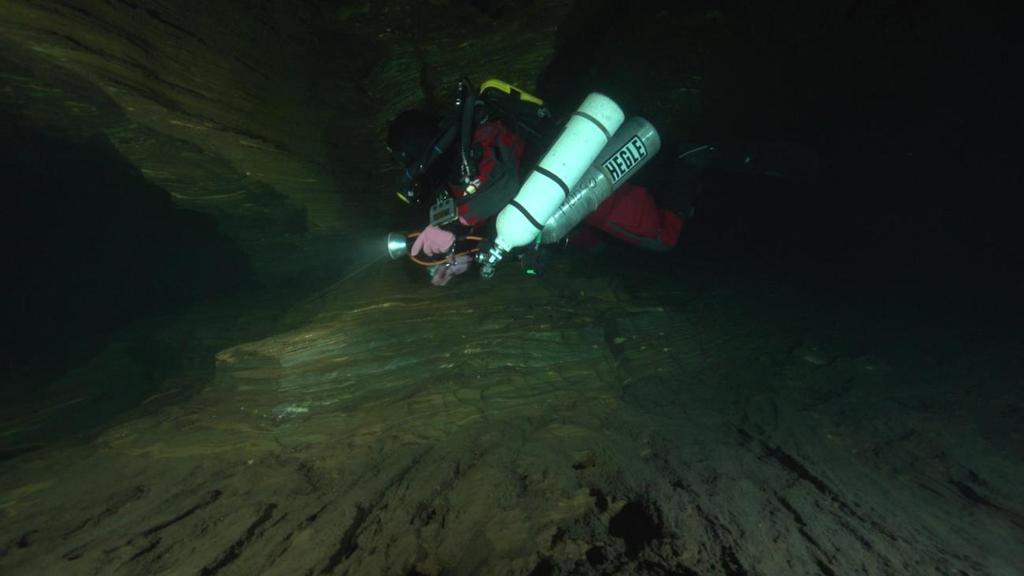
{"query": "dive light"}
(398, 245)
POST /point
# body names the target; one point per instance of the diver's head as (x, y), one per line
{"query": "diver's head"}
(410, 135)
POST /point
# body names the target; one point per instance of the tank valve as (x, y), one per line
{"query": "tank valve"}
(487, 260)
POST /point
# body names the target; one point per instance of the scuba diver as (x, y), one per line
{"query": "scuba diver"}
(490, 193)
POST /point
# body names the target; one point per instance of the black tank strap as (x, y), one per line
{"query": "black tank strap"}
(526, 213)
(581, 114)
(554, 177)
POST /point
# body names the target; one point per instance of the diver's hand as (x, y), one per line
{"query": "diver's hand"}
(433, 241)
(458, 264)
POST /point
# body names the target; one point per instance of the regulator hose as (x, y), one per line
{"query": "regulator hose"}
(468, 102)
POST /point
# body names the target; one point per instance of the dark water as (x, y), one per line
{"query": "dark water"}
(97, 259)
(92, 246)
(901, 122)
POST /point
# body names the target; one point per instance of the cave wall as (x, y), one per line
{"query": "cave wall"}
(200, 96)
(269, 115)
(161, 159)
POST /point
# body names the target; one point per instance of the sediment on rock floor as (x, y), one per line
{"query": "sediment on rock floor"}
(569, 427)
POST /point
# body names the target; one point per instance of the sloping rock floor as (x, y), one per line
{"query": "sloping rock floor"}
(563, 426)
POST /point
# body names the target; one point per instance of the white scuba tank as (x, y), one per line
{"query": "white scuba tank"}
(585, 134)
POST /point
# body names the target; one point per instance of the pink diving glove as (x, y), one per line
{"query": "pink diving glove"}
(433, 241)
(459, 264)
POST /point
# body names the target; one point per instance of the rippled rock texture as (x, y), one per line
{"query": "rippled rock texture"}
(520, 427)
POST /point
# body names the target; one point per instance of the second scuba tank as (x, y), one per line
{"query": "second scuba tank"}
(636, 142)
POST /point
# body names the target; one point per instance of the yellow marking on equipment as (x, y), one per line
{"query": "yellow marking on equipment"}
(508, 88)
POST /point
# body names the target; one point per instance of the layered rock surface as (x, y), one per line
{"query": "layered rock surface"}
(515, 427)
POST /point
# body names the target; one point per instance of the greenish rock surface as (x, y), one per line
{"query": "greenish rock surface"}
(496, 427)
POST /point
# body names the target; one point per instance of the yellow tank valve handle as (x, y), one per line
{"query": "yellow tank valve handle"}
(510, 90)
